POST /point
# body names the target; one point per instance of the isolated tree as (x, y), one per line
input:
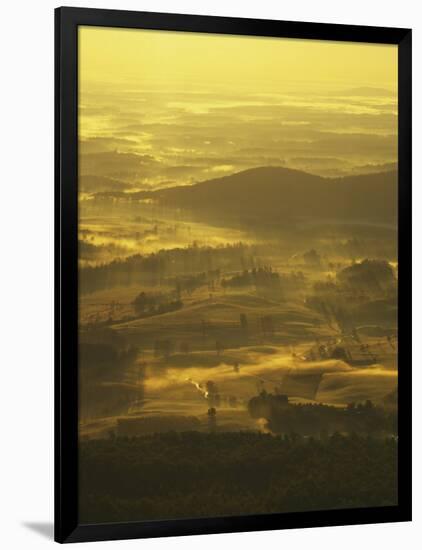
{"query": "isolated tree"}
(141, 302)
(212, 419)
(163, 348)
(218, 347)
(267, 324)
(243, 322)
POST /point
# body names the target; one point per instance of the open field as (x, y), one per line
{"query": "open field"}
(246, 316)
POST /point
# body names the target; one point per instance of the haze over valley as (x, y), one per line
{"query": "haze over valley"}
(238, 269)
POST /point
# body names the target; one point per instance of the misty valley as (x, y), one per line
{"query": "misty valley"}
(238, 270)
(221, 315)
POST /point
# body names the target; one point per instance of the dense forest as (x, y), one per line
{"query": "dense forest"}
(192, 474)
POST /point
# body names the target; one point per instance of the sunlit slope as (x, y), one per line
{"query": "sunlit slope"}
(268, 193)
(210, 320)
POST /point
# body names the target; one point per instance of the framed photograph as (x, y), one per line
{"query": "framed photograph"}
(233, 275)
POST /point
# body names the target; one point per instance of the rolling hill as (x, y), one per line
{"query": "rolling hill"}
(271, 193)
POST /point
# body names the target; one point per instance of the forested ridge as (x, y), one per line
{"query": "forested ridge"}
(196, 474)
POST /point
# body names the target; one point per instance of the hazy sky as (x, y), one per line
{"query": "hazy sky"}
(166, 108)
(132, 55)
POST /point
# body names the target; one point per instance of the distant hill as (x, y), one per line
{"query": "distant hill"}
(273, 192)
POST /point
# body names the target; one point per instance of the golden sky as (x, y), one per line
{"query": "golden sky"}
(111, 55)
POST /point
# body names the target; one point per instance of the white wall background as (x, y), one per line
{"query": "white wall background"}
(26, 233)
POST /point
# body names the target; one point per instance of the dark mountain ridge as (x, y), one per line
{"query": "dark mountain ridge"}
(274, 192)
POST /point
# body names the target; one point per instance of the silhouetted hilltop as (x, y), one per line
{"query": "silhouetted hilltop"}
(274, 192)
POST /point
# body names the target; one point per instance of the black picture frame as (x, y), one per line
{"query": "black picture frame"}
(67, 20)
